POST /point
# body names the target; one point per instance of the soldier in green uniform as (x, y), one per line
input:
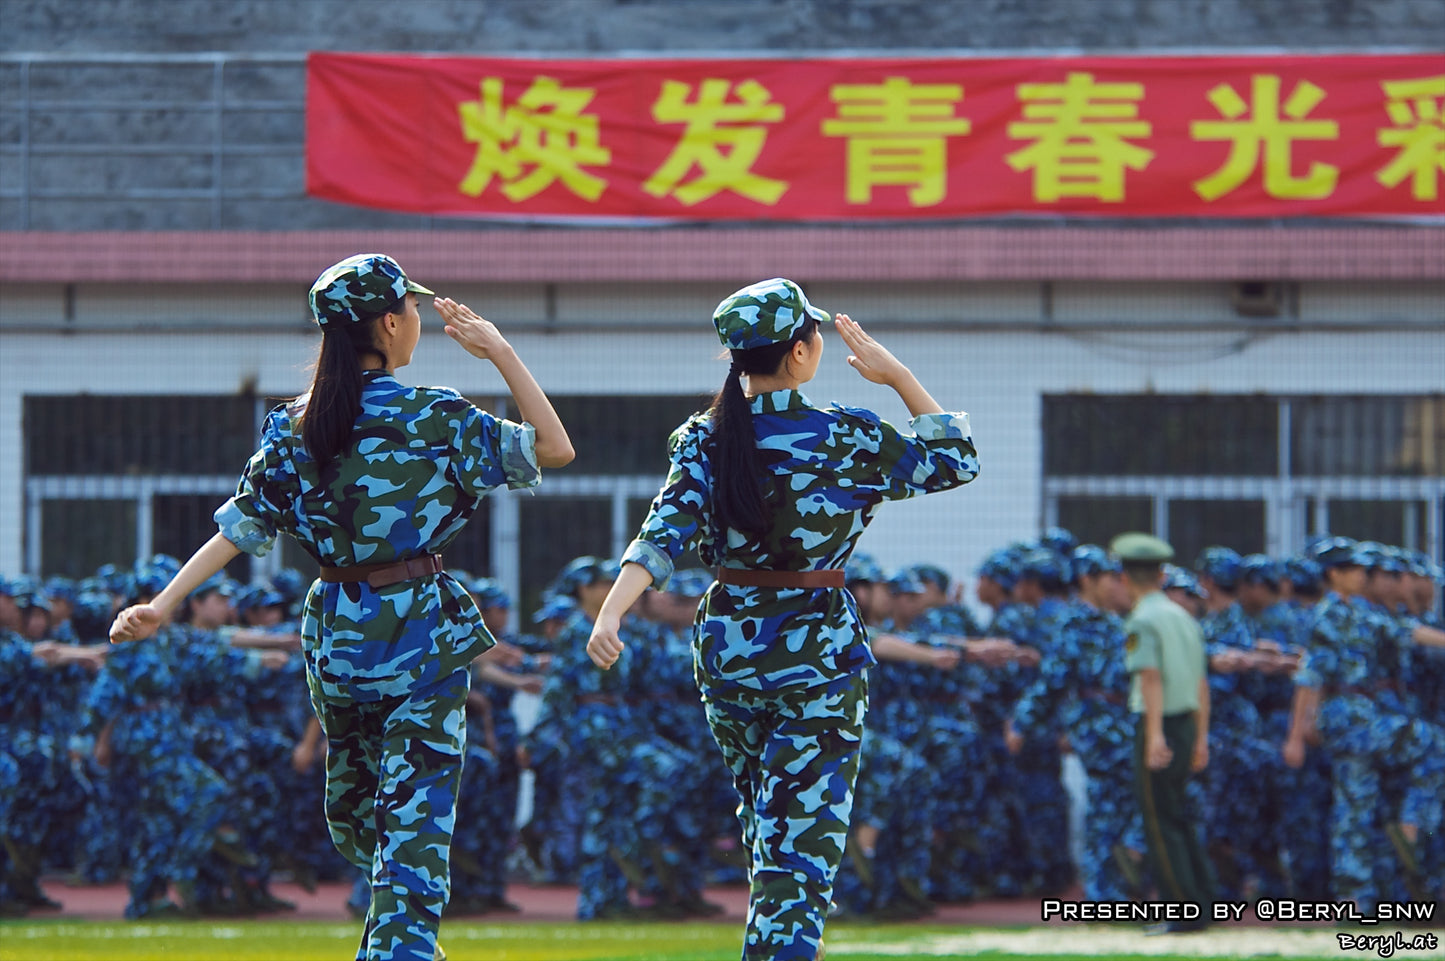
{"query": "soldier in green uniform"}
(375, 479)
(1169, 696)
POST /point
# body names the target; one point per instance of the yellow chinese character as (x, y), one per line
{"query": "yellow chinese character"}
(1415, 109)
(1277, 134)
(1079, 148)
(897, 135)
(702, 143)
(542, 138)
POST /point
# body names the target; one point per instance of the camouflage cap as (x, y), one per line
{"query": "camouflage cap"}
(359, 287)
(554, 607)
(768, 312)
(1219, 564)
(1089, 559)
(1136, 547)
(863, 569)
(1260, 569)
(1181, 578)
(690, 582)
(1333, 552)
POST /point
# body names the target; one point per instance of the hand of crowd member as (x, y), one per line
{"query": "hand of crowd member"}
(1012, 739)
(944, 658)
(103, 753)
(1065, 747)
(1028, 656)
(1294, 752)
(604, 646)
(303, 755)
(1226, 662)
(274, 660)
(1157, 754)
(542, 663)
(503, 654)
(531, 683)
(1200, 758)
(136, 623)
(524, 758)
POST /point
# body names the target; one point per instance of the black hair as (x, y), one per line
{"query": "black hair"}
(737, 495)
(334, 401)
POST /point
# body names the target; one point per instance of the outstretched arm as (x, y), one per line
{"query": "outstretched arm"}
(141, 620)
(604, 646)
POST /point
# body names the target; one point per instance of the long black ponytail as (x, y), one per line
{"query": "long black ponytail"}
(334, 402)
(738, 501)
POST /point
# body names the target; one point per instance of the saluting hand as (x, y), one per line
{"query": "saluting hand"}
(479, 337)
(869, 358)
(136, 623)
(604, 646)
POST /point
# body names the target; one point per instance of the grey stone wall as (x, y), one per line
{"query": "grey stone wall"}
(598, 26)
(96, 146)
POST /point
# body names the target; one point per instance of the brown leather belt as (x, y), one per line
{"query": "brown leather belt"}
(780, 579)
(384, 575)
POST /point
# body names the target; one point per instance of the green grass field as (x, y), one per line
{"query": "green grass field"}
(62, 940)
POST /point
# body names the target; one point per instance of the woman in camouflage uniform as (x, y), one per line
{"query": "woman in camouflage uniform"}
(374, 479)
(774, 493)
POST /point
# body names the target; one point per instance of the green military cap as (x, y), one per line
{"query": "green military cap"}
(359, 287)
(768, 312)
(1139, 548)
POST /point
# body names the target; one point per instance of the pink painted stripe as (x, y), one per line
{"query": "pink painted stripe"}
(729, 254)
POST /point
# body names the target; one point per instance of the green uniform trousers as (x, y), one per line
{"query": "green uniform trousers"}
(1171, 826)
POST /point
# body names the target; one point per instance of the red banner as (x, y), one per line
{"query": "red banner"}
(879, 139)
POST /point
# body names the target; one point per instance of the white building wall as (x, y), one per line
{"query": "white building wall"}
(998, 376)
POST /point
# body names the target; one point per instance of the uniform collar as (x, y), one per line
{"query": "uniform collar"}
(777, 401)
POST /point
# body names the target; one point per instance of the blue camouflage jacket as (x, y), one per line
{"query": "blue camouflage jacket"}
(833, 467)
(420, 462)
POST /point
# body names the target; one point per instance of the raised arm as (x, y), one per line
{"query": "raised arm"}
(878, 365)
(480, 338)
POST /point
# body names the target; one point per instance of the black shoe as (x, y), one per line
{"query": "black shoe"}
(501, 904)
(228, 846)
(630, 869)
(1409, 854)
(1131, 868)
(694, 906)
(861, 861)
(37, 900)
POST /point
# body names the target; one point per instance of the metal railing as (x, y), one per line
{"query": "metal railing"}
(26, 152)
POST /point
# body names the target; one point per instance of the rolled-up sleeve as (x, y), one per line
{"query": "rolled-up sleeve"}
(494, 452)
(679, 518)
(252, 518)
(937, 456)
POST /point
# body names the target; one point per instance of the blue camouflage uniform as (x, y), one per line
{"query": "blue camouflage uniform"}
(1082, 686)
(387, 667)
(1369, 734)
(782, 670)
(1242, 762)
(176, 803)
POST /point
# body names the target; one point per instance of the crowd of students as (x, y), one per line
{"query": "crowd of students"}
(190, 766)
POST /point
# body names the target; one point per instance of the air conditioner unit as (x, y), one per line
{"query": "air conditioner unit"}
(1257, 298)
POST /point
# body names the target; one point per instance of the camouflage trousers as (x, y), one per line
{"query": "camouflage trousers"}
(393, 768)
(1112, 819)
(794, 760)
(1410, 751)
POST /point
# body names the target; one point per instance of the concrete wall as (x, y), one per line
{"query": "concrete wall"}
(59, 117)
(696, 26)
